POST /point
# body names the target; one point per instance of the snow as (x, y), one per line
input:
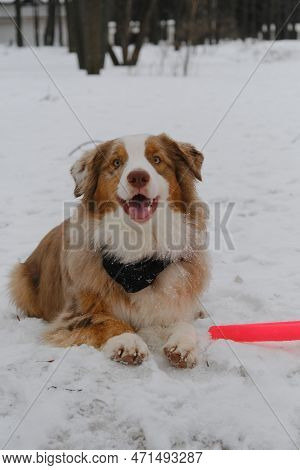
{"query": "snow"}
(240, 396)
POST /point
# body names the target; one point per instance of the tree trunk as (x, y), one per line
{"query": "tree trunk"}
(216, 21)
(36, 22)
(253, 19)
(113, 56)
(124, 29)
(50, 26)
(104, 11)
(69, 6)
(59, 23)
(245, 20)
(269, 17)
(209, 22)
(193, 7)
(179, 13)
(93, 25)
(154, 30)
(78, 30)
(18, 12)
(143, 31)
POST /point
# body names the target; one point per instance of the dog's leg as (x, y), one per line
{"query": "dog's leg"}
(89, 323)
(181, 346)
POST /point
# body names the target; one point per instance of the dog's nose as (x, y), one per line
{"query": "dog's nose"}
(138, 178)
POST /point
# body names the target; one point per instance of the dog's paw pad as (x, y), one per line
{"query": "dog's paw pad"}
(127, 348)
(181, 358)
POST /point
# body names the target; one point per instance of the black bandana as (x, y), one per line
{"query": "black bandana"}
(135, 276)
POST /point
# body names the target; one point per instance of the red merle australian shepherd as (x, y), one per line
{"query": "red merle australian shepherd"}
(130, 257)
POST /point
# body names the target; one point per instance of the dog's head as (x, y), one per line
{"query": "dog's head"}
(138, 172)
(138, 177)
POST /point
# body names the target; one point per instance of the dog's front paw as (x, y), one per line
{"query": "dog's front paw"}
(181, 355)
(127, 348)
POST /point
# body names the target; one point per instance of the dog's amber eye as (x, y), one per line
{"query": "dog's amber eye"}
(117, 162)
(156, 159)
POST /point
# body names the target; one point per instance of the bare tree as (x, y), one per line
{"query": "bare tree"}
(36, 19)
(193, 7)
(70, 15)
(77, 6)
(143, 32)
(154, 27)
(50, 25)
(124, 28)
(91, 33)
(123, 20)
(59, 23)
(112, 54)
(18, 14)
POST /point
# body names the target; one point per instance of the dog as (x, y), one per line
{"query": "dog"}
(131, 255)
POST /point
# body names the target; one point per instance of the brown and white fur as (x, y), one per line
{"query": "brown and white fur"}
(68, 285)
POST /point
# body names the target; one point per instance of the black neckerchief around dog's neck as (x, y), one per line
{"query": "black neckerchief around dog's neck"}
(136, 275)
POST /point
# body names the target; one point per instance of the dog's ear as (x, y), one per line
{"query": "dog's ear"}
(192, 157)
(84, 173)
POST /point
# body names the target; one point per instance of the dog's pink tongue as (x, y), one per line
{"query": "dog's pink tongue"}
(138, 210)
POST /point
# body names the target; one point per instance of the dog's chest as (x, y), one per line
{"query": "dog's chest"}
(164, 303)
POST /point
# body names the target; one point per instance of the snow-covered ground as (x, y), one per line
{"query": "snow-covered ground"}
(240, 396)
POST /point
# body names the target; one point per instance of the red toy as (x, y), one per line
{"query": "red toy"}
(252, 332)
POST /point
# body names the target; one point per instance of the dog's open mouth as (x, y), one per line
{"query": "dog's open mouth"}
(139, 208)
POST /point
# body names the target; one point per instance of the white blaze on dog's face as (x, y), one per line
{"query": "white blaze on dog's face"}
(141, 187)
